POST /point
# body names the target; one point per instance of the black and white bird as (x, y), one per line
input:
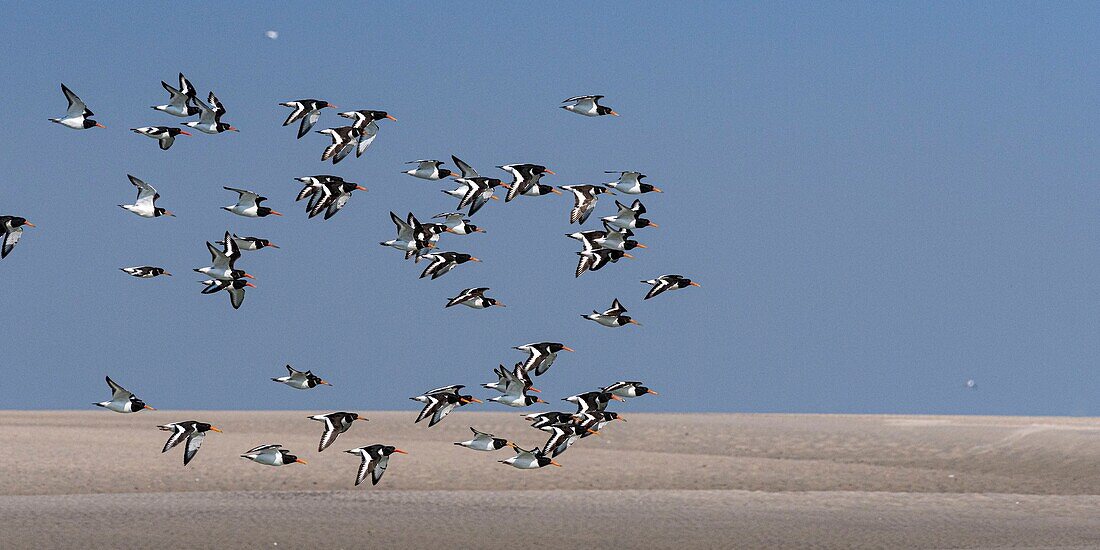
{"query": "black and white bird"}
(524, 177)
(77, 116)
(300, 380)
(234, 287)
(122, 401)
(516, 380)
(248, 204)
(438, 403)
(272, 454)
(596, 420)
(365, 123)
(179, 101)
(474, 190)
(412, 238)
(515, 397)
(614, 238)
(457, 223)
(250, 243)
(592, 402)
(628, 389)
(306, 110)
(612, 317)
(11, 229)
(191, 431)
(428, 169)
(443, 262)
(222, 262)
(375, 460)
(474, 298)
(484, 441)
(563, 437)
(145, 271)
(145, 205)
(336, 423)
(166, 135)
(543, 420)
(629, 217)
(588, 105)
(343, 143)
(630, 183)
(584, 200)
(541, 355)
(595, 259)
(529, 460)
(210, 117)
(666, 283)
(313, 188)
(334, 195)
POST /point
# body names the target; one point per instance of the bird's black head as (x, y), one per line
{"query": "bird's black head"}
(263, 243)
(601, 110)
(89, 123)
(158, 211)
(238, 274)
(263, 212)
(630, 244)
(136, 404)
(157, 271)
(288, 458)
(554, 347)
(379, 115)
(17, 221)
(643, 222)
(202, 426)
(321, 104)
(224, 127)
(461, 258)
(471, 228)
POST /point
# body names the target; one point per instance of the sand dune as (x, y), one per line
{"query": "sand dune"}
(657, 480)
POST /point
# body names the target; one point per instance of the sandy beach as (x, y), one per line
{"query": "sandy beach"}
(658, 480)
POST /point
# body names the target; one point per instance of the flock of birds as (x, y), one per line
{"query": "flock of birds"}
(417, 240)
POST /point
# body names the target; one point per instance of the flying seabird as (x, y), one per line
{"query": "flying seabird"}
(248, 204)
(584, 200)
(300, 380)
(612, 317)
(249, 243)
(629, 217)
(179, 102)
(588, 105)
(665, 283)
(484, 441)
(544, 420)
(563, 437)
(190, 430)
(630, 183)
(166, 135)
(77, 116)
(272, 455)
(613, 238)
(529, 460)
(235, 288)
(145, 271)
(343, 141)
(411, 239)
(592, 402)
(628, 389)
(457, 223)
(428, 169)
(524, 177)
(595, 259)
(11, 229)
(146, 203)
(365, 123)
(210, 118)
(541, 355)
(306, 110)
(336, 423)
(122, 401)
(222, 261)
(375, 459)
(515, 381)
(439, 402)
(443, 262)
(474, 298)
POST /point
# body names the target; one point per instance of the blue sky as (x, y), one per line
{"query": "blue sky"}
(880, 200)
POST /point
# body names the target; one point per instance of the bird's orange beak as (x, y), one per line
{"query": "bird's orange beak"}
(277, 213)
(625, 255)
(620, 418)
(29, 224)
(400, 451)
(693, 283)
(640, 245)
(534, 389)
(494, 197)
(169, 213)
(247, 276)
(653, 392)
(551, 172)
(234, 129)
(617, 398)
(552, 463)
(300, 461)
(539, 400)
(363, 419)
(167, 273)
(479, 230)
(633, 322)
(100, 125)
(184, 133)
(474, 400)
(474, 260)
(593, 432)
(325, 382)
(651, 224)
(391, 118)
(567, 348)
(555, 191)
(250, 284)
(273, 245)
(507, 186)
(150, 408)
(613, 113)
(655, 190)
(333, 106)
(215, 428)
(360, 188)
